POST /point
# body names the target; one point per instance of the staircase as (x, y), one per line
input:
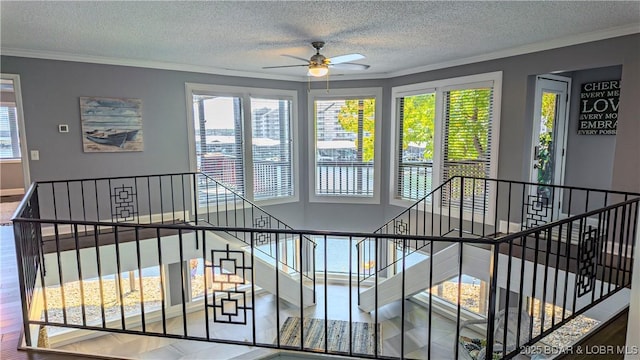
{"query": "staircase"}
(232, 210)
(570, 258)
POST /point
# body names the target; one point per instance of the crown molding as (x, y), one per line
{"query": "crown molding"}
(527, 49)
(149, 64)
(520, 50)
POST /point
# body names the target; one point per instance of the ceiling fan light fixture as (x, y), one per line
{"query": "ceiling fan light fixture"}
(318, 70)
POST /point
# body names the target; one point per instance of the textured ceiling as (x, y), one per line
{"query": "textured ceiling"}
(237, 37)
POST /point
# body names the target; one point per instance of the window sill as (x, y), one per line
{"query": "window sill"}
(277, 201)
(10, 161)
(403, 203)
(341, 199)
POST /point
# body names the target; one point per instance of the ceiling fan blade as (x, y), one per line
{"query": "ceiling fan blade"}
(283, 66)
(345, 58)
(296, 57)
(349, 66)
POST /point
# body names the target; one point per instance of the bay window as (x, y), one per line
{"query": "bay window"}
(243, 138)
(444, 128)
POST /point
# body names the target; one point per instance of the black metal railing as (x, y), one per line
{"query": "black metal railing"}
(181, 280)
(180, 198)
(555, 272)
(225, 207)
(481, 207)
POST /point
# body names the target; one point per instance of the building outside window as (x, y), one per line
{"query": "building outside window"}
(243, 138)
(344, 164)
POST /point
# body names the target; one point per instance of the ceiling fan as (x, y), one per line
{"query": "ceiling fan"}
(319, 65)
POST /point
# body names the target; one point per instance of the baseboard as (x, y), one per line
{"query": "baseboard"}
(11, 192)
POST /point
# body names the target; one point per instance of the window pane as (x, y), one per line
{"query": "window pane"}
(337, 254)
(344, 140)
(218, 124)
(467, 140)
(271, 147)
(474, 293)
(9, 143)
(416, 116)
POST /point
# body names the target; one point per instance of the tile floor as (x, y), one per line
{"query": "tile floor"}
(149, 347)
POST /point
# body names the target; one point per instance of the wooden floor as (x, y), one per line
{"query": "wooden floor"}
(10, 307)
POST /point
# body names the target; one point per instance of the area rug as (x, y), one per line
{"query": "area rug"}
(362, 337)
(6, 210)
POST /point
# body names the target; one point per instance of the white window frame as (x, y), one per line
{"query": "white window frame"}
(24, 157)
(439, 87)
(246, 93)
(342, 94)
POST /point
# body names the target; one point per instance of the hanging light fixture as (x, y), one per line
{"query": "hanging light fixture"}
(318, 70)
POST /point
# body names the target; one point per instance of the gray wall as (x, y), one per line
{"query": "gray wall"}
(589, 157)
(11, 176)
(51, 90)
(517, 91)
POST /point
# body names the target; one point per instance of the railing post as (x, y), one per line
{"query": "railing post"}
(301, 295)
(195, 198)
(491, 313)
(461, 223)
(357, 268)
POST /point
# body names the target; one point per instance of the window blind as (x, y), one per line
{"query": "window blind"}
(344, 146)
(9, 143)
(416, 118)
(271, 148)
(218, 125)
(466, 141)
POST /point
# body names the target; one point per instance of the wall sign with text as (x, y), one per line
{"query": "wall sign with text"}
(599, 102)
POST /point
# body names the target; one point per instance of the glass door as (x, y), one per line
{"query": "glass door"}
(548, 148)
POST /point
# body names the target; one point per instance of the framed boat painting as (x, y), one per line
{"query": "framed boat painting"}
(111, 124)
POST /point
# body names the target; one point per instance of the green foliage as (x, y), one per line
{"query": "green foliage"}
(545, 150)
(348, 119)
(468, 125)
(418, 122)
(467, 129)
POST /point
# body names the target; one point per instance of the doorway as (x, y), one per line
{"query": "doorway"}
(548, 148)
(14, 165)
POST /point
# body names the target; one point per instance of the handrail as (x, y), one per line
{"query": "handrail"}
(424, 244)
(25, 199)
(29, 245)
(561, 222)
(487, 181)
(249, 202)
(230, 231)
(439, 187)
(617, 192)
(254, 230)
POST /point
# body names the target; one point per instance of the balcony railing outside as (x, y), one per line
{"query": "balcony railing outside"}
(344, 178)
(416, 180)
